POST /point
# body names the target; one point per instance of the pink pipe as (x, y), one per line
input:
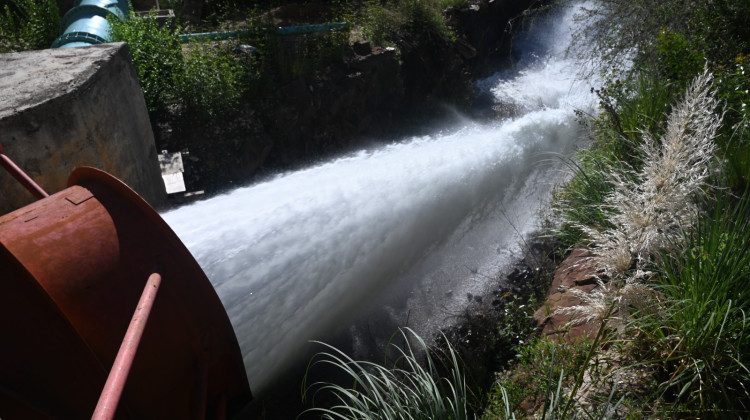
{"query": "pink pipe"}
(21, 176)
(112, 392)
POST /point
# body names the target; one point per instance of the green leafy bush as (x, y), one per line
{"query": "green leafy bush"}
(28, 25)
(393, 21)
(206, 81)
(677, 58)
(213, 81)
(157, 57)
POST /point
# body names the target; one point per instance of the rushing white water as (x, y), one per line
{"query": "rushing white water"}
(296, 256)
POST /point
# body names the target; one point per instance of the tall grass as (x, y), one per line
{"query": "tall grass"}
(407, 389)
(680, 275)
(547, 380)
(629, 109)
(649, 204)
(700, 338)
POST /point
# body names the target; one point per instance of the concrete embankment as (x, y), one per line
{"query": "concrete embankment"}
(65, 108)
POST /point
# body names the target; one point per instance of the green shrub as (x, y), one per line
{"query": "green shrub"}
(391, 22)
(677, 58)
(213, 81)
(205, 81)
(28, 25)
(720, 28)
(381, 23)
(425, 17)
(157, 57)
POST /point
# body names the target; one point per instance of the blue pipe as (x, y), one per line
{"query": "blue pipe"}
(311, 29)
(281, 30)
(86, 23)
(216, 36)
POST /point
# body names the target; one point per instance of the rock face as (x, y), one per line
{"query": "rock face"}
(65, 108)
(574, 273)
(370, 94)
(302, 121)
(488, 26)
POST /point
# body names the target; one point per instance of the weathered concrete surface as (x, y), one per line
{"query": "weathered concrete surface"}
(65, 108)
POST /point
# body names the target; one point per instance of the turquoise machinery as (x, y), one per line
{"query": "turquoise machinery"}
(86, 23)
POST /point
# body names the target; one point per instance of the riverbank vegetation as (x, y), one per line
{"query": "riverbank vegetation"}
(660, 200)
(210, 80)
(28, 25)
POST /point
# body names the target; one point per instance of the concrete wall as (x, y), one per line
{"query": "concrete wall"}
(65, 108)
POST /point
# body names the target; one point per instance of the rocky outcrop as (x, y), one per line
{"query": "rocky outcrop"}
(302, 121)
(372, 93)
(574, 273)
(488, 26)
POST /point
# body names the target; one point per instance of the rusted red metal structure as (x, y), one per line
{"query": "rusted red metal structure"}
(73, 267)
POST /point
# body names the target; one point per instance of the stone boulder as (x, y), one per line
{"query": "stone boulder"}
(488, 26)
(574, 273)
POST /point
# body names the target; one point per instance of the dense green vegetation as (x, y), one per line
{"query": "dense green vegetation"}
(175, 77)
(28, 24)
(205, 81)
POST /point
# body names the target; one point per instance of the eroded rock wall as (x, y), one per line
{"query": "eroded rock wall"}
(372, 93)
(65, 108)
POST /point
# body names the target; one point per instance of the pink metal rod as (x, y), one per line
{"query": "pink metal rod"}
(108, 401)
(21, 176)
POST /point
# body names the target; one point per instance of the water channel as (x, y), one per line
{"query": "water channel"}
(407, 230)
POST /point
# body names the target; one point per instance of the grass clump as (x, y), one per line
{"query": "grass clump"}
(404, 388)
(650, 208)
(541, 367)
(699, 339)
(629, 109)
